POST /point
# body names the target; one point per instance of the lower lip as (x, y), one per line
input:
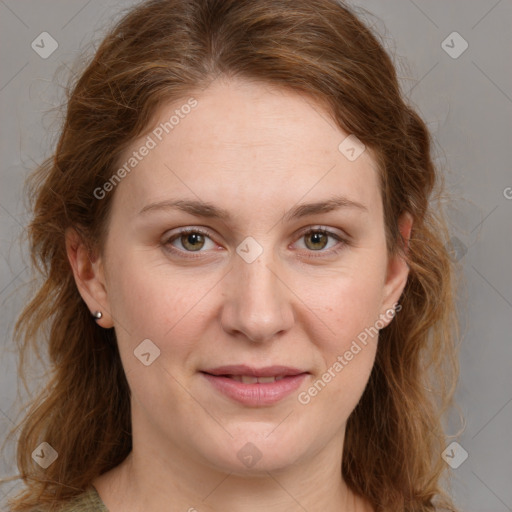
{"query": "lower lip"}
(256, 394)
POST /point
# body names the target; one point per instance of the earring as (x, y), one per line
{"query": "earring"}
(97, 315)
(391, 312)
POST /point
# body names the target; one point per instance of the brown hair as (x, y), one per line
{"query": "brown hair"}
(161, 51)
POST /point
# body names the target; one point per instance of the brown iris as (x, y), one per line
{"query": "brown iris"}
(196, 241)
(318, 238)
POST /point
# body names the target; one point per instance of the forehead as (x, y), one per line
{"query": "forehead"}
(244, 144)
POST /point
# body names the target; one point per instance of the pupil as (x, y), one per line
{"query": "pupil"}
(194, 240)
(317, 239)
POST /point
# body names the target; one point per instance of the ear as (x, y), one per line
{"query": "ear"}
(397, 269)
(89, 277)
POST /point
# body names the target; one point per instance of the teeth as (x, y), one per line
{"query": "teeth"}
(263, 380)
(248, 379)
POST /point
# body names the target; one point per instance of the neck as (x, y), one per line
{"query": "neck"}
(146, 481)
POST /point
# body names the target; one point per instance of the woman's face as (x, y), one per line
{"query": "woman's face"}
(254, 287)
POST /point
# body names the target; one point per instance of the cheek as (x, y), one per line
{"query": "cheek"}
(342, 305)
(346, 338)
(170, 308)
(150, 302)
(344, 328)
(149, 298)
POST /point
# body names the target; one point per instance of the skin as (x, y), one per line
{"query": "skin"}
(256, 151)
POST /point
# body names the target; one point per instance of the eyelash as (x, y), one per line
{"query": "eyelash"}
(322, 253)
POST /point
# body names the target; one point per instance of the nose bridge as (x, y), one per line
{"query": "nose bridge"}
(257, 304)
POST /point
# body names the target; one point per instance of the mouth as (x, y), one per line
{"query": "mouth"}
(255, 387)
(275, 372)
(249, 379)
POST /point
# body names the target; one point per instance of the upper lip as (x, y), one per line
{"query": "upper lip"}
(242, 369)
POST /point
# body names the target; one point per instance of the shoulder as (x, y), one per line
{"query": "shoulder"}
(87, 501)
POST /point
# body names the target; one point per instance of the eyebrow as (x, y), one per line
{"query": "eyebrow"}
(204, 209)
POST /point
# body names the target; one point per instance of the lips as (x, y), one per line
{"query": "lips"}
(242, 370)
(255, 387)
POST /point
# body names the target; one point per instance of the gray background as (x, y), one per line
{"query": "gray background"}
(467, 103)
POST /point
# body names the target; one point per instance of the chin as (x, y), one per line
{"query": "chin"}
(254, 454)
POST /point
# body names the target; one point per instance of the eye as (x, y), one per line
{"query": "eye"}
(316, 239)
(190, 239)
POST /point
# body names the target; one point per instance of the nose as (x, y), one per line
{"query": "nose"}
(258, 304)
